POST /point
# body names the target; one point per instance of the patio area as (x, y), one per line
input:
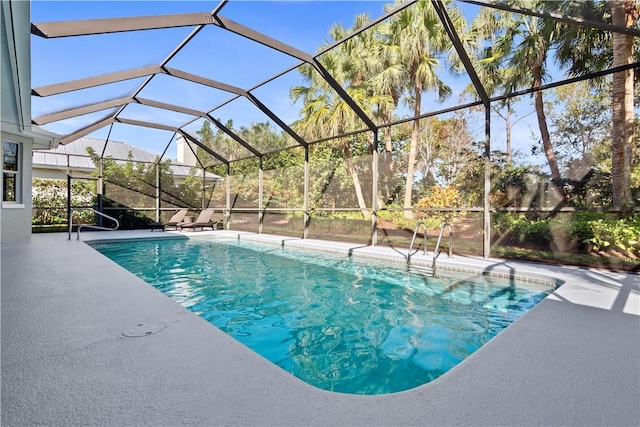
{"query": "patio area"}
(67, 359)
(85, 342)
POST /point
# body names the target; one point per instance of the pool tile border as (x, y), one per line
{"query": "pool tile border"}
(445, 265)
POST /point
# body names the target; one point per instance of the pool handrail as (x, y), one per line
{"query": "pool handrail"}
(413, 239)
(436, 251)
(91, 226)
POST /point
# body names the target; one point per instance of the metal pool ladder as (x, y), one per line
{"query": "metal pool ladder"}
(413, 239)
(436, 251)
(91, 226)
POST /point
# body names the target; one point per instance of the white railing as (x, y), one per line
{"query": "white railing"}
(90, 226)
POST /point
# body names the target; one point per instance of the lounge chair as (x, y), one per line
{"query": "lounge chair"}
(176, 219)
(205, 219)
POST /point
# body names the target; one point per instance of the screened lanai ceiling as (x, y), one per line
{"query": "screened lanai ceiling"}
(149, 72)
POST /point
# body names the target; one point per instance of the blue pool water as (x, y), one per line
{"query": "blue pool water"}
(336, 323)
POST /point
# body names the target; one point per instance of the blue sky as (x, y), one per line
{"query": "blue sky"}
(214, 53)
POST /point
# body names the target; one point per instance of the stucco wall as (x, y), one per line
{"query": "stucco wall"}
(15, 113)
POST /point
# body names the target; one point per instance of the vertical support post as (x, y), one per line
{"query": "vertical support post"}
(307, 217)
(99, 190)
(69, 219)
(486, 250)
(374, 190)
(260, 196)
(158, 193)
(204, 189)
(227, 215)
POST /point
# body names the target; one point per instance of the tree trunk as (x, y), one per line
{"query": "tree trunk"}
(413, 148)
(544, 133)
(623, 13)
(379, 196)
(351, 169)
(388, 153)
(388, 147)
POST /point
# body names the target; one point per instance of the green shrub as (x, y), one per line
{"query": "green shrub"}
(524, 230)
(510, 186)
(580, 228)
(440, 197)
(599, 231)
(128, 219)
(49, 199)
(398, 219)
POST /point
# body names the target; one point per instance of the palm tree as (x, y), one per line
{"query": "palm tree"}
(262, 136)
(522, 45)
(624, 13)
(495, 76)
(323, 112)
(587, 50)
(416, 39)
(385, 80)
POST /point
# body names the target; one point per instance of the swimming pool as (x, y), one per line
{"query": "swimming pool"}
(339, 324)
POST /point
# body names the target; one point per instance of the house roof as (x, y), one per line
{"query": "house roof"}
(15, 83)
(75, 153)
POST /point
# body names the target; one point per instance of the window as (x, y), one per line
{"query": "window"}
(10, 172)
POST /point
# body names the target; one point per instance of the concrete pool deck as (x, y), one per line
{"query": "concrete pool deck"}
(574, 359)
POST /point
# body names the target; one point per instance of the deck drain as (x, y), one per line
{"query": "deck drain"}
(143, 329)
